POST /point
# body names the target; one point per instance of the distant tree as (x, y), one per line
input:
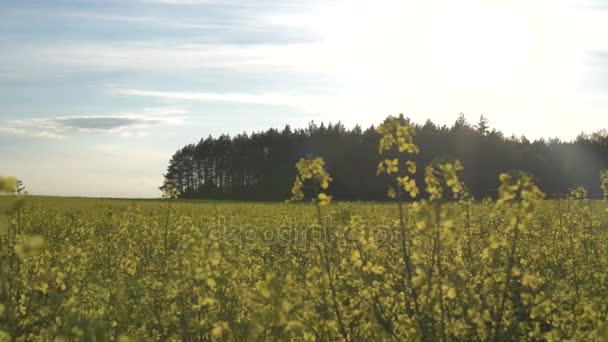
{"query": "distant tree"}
(461, 121)
(169, 189)
(482, 126)
(19, 187)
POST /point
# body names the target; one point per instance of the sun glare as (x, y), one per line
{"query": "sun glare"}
(446, 57)
(476, 46)
(469, 44)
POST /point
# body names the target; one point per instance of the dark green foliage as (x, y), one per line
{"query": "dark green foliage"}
(259, 166)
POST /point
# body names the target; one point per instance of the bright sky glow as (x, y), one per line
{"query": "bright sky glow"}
(95, 96)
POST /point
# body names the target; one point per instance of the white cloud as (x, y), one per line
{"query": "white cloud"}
(136, 134)
(32, 133)
(165, 22)
(59, 127)
(186, 2)
(183, 2)
(62, 61)
(275, 99)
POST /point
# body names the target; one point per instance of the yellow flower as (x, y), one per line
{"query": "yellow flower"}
(380, 169)
(355, 257)
(217, 331)
(324, 199)
(449, 292)
(410, 166)
(392, 166)
(311, 168)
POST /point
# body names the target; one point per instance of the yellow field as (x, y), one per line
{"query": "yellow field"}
(104, 269)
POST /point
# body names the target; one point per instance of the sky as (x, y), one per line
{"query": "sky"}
(96, 95)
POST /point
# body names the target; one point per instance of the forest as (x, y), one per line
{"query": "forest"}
(260, 165)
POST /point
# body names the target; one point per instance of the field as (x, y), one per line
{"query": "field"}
(442, 268)
(108, 269)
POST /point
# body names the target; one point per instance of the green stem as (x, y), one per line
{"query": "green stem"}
(408, 269)
(439, 268)
(332, 287)
(508, 276)
(166, 234)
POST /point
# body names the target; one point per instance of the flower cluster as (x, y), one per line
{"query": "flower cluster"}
(438, 175)
(395, 132)
(313, 169)
(397, 137)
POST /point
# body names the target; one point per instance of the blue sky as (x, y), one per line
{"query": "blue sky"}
(96, 95)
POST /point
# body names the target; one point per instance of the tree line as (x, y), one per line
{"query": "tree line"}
(260, 165)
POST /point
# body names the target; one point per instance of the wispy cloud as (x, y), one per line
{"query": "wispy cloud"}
(153, 21)
(59, 127)
(185, 2)
(273, 99)
(239, 3)
(28, 132)
(74, 60)
(103, 123)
